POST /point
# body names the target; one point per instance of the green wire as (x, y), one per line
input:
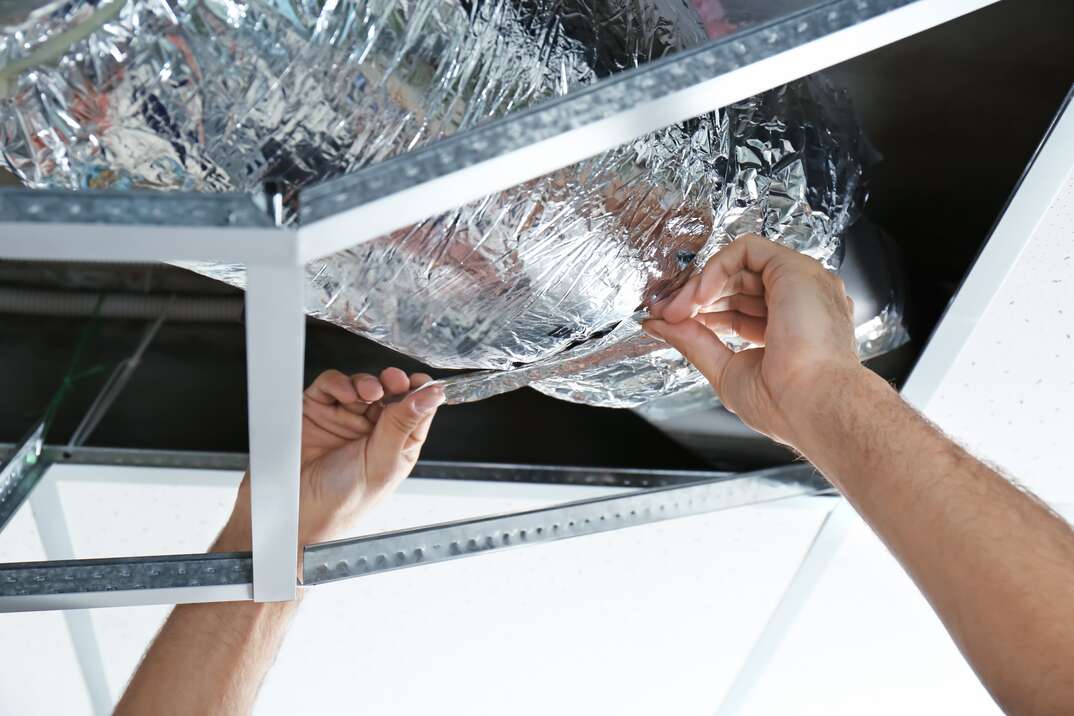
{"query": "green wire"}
(71, 376)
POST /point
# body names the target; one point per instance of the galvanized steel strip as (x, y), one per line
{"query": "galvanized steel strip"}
(652, 81)
(343, 559)
(425, 469)
(136, 207)
(20, 473)
(125, 573)
(368, 555)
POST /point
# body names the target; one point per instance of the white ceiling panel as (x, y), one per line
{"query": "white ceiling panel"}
(20, 540)
(126, 511)
(866, 642)
(39, 672)
(1009, 394)
(652, 619)
(162, 514)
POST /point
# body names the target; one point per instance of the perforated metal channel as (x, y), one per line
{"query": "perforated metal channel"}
(410, 548)
(426, 469)
(605, 99)
(118, 208)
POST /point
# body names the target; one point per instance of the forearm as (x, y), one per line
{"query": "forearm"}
(210, 658)
(996, 564)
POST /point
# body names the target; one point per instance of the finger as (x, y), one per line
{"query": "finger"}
(395, 381)
(748, 253)
(397, 425)
(697, 344)
(336, 419)
(734, 323)
(331, 387)
(746, 282)
(749, 305)
(657, 309)
(747, 256)
(681, 304)
(417, 438)
(419, 379)
(368, 388)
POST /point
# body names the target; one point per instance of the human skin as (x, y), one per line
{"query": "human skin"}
(212, 658)
(995, 563)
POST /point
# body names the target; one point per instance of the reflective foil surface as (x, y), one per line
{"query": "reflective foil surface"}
(214, 95)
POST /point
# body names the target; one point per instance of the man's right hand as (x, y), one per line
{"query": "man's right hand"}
(787, 304)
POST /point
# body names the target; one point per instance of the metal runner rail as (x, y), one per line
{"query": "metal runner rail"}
(342, 213)
(362, 556)
(425, 469)
(218, 577)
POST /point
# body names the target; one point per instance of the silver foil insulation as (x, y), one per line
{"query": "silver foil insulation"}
(215, 95)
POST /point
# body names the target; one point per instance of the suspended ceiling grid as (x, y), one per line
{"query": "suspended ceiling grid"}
(652, 619)
(957, 407)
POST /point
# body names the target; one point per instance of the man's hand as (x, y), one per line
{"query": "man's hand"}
(211, 658)
(355, 450)
(772, 297)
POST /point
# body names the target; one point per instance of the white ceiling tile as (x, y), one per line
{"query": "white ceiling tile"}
(159, 514)
(867, 642)
(39, 673)
(20, 540)
(1009, 395)
(651, 619)
(143, 511)
(642, 620)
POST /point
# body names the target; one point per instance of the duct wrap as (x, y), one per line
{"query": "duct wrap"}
(225, 95)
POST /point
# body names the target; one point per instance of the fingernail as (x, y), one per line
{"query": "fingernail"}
(652, 330)
(428, 398)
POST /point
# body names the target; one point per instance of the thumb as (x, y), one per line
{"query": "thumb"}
(403, 425)
(697, 343)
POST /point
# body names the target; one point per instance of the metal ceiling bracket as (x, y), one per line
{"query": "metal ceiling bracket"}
(236, 228)
(71, 584)
(424, 470)
(21, 472)
(343, 559)
(550, 135)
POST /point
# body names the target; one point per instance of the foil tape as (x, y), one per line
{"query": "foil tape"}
(629, 369)
(215, 95)
(878, 335)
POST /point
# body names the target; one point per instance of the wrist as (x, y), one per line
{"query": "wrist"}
(817, 402)
(235, 536)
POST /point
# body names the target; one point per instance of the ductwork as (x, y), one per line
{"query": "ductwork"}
(225, 95)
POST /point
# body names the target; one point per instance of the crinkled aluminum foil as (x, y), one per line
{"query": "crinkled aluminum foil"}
(213, 95)
(883, 333)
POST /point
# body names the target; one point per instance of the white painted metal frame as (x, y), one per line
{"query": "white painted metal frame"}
(131, 598)
(275, 258)
(275, 333)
